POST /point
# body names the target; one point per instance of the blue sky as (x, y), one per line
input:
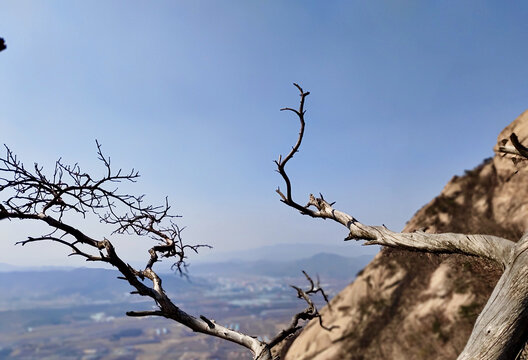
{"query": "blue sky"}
(404, 95)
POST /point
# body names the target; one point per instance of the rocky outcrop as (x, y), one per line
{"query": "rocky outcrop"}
(411, 305)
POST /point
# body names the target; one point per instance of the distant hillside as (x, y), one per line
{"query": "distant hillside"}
(7, 267)
(58, 288)
(324, 264)
(286, 252)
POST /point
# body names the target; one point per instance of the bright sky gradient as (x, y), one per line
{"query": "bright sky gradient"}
(404, 95)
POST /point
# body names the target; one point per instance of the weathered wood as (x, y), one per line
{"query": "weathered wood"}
(487, 246)
(500, 330)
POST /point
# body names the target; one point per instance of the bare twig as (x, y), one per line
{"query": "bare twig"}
(281, 162)
(315, 288)
(492, 247)
(144, 313)
(307, 314)
(30, 194)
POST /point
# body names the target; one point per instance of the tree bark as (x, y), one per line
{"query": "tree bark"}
(500, 330)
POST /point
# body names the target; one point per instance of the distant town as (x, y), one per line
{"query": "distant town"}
(80, 313)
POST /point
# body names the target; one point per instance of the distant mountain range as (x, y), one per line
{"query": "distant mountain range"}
(322, 264)
(74, 287)
(326, 264)
(286, 252)
(52, 287)
(296, 254)
(9, 267)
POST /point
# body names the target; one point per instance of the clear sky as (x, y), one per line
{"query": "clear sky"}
(404, 95)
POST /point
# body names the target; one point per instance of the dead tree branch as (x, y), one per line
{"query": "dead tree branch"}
(500, 331)
(281, 162)
(311, 312)
(517, 149)
(491, 247)
(315, 288)
(30, 194)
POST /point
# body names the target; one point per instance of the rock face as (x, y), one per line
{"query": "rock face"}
(411, 305)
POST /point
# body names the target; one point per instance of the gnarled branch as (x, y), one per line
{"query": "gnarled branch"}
(517, 149)
(281, 162)
(491, 247)
(311, 312)
(30, 194)
(500, 330)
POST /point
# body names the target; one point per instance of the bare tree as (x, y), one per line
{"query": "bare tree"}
(500, 330)
(30, 194)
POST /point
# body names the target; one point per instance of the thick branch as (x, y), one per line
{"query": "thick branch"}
(516, 149)
(488, 246)
(521, 149)
(491, 247)
(500, 330)
(55, 224)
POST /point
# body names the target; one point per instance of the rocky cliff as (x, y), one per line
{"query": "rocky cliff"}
(411, 305)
